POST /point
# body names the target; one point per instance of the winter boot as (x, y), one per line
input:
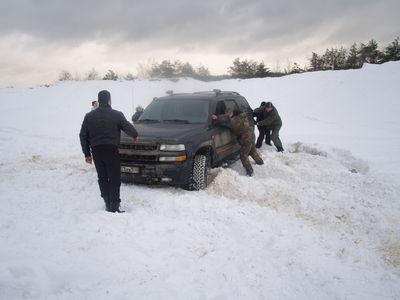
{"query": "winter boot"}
(260, 162)
(115, 208)
(107, 202)
(279, 149)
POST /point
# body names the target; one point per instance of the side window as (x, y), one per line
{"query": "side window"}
(231, 104)
(220, 108)
(223, 105)
(243, 105)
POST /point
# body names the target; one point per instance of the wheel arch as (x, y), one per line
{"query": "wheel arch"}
(207, 151)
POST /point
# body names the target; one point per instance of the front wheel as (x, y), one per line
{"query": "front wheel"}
(199, 175)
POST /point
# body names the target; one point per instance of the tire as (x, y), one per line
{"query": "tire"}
(199, 174)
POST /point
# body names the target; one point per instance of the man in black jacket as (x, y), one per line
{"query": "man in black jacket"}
(263, 131)
(137, 114)
(99, 135)
(271, 120)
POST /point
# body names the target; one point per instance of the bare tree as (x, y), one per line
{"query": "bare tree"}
(92, 75)
(77, 77)
(64, 76)
(144, 69)
(129, 76)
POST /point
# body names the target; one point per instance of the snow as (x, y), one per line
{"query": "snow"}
(319, 221)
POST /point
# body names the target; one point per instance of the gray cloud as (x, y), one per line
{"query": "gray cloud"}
(221, 27)
(189, 21)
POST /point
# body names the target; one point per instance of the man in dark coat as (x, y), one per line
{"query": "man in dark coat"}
(263, 131)
(95, 104)
(99, 136)
(271, 120)
(137, 114)
(244, 132)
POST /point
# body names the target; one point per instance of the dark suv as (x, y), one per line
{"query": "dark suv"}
(178, 141)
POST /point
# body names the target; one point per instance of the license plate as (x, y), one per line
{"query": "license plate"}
(133, 170)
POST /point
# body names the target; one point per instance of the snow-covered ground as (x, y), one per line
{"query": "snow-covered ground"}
(320, 221)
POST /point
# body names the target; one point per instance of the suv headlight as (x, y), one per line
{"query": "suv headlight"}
(178, 147)
(172, 158)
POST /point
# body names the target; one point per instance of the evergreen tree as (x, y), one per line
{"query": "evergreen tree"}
(353, 60)
(315, 62)
(185, 70)
(374, 52)
(111, 75)
(248, 69)
(334, 59)
(341, 58)
(369, 53)
(202, 73)
(164, 70)
(239, 69)
(296, 69)
(261, 70)
(329, 59)
(168, 69)
(362, 53)
(392, 51)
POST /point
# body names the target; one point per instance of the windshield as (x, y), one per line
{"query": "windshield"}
(180, 111)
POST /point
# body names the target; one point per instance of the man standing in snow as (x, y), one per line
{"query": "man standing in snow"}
(271, 120)
(244, 132)
(99, 135)
(137, 114)
(263, 131)
(95, 105)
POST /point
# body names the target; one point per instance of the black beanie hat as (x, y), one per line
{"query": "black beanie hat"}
(263, 103)
(104, 96)
(268, 105)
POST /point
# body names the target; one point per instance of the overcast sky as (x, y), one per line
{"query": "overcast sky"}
(40, 38)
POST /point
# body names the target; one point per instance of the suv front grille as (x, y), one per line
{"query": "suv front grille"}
(142, 147)
(136, 157)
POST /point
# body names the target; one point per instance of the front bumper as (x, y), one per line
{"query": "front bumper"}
(176, 173)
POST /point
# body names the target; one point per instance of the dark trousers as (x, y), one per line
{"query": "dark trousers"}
(264, 132)
(275, 137)
(106, 160)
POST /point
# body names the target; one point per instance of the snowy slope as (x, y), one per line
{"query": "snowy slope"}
(320, 221)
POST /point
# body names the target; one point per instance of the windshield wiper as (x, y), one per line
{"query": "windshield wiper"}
(178, 121)
(148, 120)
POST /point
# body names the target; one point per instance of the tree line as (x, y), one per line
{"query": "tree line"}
(354, 57)
(333, 59)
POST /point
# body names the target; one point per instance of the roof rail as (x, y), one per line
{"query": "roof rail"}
(204, 92)
(230, 92)
(217, 92)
